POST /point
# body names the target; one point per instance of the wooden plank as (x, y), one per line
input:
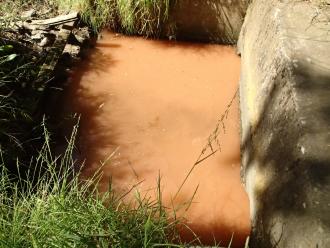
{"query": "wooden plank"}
(56, 20)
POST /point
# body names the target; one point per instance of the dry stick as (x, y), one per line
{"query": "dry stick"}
(213, 137)
(134, 171)
(130, 190)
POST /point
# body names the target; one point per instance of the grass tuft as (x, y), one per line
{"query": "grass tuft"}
(19, 100)
(143, 17)
(61, 210)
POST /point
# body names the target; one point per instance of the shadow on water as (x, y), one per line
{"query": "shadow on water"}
(79, 100)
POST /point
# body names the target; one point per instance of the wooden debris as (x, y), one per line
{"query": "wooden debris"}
(51, 38)
(56, 20)
(48, 23)
(57, 48)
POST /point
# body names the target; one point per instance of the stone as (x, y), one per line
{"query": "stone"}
(82, 35)
(37, 36)
(72, 50)
(285, 122)
(29, 13)
(44, 42)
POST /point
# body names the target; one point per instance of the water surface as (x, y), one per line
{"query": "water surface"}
(152, 105)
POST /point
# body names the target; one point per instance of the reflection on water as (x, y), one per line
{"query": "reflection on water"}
(153, 104)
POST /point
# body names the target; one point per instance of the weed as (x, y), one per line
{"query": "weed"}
(11, 10)
(143, 17)
(61, 210)
(19, 100)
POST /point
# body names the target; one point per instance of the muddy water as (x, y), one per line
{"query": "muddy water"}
(151, 106)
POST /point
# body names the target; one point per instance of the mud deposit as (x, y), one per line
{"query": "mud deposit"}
(152, 105)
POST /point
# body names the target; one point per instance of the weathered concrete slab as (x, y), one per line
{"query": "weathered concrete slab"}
(285, 118)
(217, 21)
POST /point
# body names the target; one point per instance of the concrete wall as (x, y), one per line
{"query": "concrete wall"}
(285, 119)
(218, 21)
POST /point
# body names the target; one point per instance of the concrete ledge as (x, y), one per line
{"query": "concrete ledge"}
(217, 21)
(285, 120)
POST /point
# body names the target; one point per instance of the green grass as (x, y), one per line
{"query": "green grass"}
(50, 206)
(43, 200)
(19, 100)
(21, 85)
(11, 10)
(143, 17)
(45, 203)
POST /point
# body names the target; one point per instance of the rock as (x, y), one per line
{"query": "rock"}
(44, 42)
(81, 35)
(28, 14)
(37, 36)
(72, 50)
(285, 120)
(46, 11)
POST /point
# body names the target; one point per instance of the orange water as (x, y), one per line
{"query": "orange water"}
(152, 105)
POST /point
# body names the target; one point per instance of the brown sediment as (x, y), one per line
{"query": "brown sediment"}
(153, 105)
